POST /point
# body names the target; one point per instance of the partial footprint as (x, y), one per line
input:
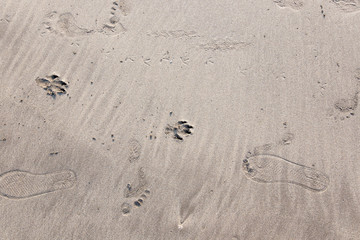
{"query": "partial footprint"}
(347, 104)
(137, 188)
(4, 23)
(274, 169)
(113, 27)
(64, 24)
(293, 4)
(52, 84)
(179, 130)
(347, 5)
(142, 198)
(266, 148)
(124, 7)
(125, 208)
(20, 184)
(344, 108)
(269, 148)
(134, 150)
(286, 139)
(135, 192)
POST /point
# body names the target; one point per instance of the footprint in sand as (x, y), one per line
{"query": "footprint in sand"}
(293, 4)
(125, 208)
(4, 23)
(138, 202)
(345, 108)
(179, 130)
(274, 169)
(137, 188)
(347, 5)
(346, 105)
(20, 184)
(63, 24)
(124, 6)
(134, 150)
(137, 192)
(113, 27)
(267, 149)
(52, 84)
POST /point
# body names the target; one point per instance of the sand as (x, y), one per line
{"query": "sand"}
(179, 120)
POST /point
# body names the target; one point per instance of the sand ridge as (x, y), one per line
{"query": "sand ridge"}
(183, 120)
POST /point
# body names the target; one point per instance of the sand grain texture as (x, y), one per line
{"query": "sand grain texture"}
(179, 120)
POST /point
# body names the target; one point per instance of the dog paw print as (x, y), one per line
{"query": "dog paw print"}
(179, 130)
(52, 84)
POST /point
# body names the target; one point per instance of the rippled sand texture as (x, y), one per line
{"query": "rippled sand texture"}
(179, 119)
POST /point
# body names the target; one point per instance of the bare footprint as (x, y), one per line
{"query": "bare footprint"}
(126, 208)
(125, 7)
(137, 188)
(142, 198)
(64, 24)
(20, 184)
(274, 169)
(136, 192)
(113, 26)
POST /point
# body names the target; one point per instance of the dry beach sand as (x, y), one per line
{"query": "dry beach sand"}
(178, 119)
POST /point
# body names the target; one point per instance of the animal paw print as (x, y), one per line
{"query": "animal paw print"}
(180, 130)
(52, 84)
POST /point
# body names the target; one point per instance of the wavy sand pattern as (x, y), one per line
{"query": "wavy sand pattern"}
(131, 119)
